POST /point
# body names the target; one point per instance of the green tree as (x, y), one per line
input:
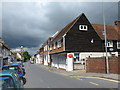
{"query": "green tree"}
(26, 56)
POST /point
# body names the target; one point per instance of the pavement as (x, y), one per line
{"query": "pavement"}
(81, 73)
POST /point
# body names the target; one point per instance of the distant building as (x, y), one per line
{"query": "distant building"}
(6, 55)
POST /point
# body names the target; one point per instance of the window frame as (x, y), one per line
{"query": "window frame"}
(110, 42)
(118, 43)
(50, 47)
(59, 43)
(83, 27)
(54, 45)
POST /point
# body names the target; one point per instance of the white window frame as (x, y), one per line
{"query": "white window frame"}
(85, 27)
(109, 43)
(59, 44)
(50, 46)
(118, 44)
(54, 45)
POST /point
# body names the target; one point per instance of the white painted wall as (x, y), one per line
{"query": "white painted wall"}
(41, 59)
(19, 56)
(38, 58)
(46, 59)
(95, 54)
(69, 62)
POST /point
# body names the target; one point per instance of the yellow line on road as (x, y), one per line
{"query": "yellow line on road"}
(116, 81)
(79, 79)
(94, 83)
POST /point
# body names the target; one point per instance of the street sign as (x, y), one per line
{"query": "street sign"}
(70, 55)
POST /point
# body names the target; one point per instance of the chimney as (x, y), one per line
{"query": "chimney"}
(117, 22)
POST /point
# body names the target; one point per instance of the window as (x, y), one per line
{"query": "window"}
(54, 45)
(59, 44)
(51, 47)
(83, 27)
(118, 45)
(45, 48)
(109, 43)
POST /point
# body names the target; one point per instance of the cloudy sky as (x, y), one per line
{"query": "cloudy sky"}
(31, 23)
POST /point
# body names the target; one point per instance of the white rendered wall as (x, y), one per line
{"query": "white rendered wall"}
(95, 54)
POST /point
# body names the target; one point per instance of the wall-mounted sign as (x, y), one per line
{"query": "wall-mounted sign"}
(70, 55)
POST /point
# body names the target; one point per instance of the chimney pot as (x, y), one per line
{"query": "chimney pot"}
(117, 22)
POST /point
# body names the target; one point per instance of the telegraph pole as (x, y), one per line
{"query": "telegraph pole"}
(106, 56)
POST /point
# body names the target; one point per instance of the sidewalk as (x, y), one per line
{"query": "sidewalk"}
(81, 73)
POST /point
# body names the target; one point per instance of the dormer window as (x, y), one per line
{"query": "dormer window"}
(118, 45)
(83, 27)
(109, 43)
(50, 47)
(59, 43)
(54, 45)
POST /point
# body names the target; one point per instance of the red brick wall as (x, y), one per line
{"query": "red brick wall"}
(99, 65)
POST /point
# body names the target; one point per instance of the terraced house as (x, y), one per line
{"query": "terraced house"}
(83, 40)
(6, 55)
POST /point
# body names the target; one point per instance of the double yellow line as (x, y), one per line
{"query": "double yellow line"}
(116, 81)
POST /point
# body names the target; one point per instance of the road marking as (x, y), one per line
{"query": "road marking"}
(79, 79)
(116, 81)
(94, 83)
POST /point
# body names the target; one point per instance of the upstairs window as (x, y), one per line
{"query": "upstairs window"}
(45, 48)
(54, 45)
(51, 47)
(118, 45)
(59, 44)
(109, 43)
(83, 27)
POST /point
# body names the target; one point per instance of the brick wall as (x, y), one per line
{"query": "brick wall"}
(99, 65)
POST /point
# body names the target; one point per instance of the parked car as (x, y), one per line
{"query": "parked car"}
(10, 79)
(21, 63)
(16, 67)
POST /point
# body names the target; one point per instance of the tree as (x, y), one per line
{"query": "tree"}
(26, 56)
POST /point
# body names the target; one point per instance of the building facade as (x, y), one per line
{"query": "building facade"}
(83, 40)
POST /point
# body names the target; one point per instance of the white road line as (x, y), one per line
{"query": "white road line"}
(94, 83)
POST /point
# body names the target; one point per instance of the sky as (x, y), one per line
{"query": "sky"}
(29, 24)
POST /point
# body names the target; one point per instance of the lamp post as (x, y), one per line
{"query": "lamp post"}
(1, 56)
(107, 63)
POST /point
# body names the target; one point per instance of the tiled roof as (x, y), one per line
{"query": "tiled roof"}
(112, 31)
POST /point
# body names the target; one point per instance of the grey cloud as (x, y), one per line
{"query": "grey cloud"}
(30, 24)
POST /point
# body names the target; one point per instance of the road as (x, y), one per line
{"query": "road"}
(38, 77)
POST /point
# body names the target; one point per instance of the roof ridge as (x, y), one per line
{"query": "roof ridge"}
(72, 23)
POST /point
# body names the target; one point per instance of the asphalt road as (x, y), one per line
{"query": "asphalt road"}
(38, 77)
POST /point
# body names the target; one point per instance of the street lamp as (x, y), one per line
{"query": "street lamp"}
(107, 63)
(1, 56)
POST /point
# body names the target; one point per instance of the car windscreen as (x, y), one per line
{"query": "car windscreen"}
(6, 82)
(10, 68)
